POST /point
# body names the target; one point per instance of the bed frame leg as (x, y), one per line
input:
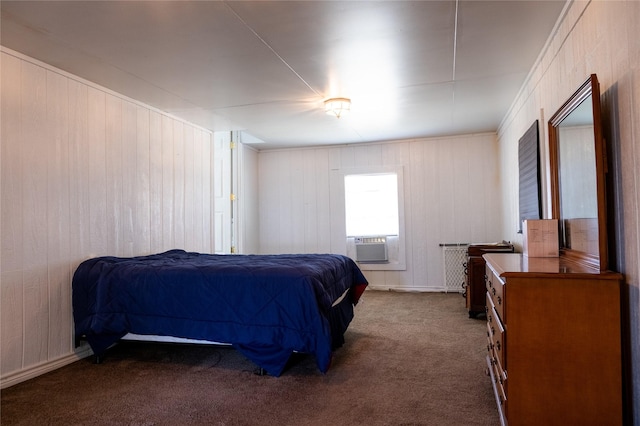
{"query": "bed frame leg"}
(260, 371)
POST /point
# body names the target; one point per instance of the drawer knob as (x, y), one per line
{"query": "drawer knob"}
(499, 300)
(490, 283)
(494, 291)
(498, 344)
(493, 330)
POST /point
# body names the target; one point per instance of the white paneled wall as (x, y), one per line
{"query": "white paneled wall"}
(601, 37)
(248, 238)
(451, 195)
(84, 172)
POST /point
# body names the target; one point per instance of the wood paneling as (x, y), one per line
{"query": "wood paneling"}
(11, 295)
(155, 180)
(450, 195)
(600, 38)
(85, 172)
(12, 326)
(248, 202)
(58, 224)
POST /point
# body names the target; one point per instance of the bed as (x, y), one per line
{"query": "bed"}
(265, 306)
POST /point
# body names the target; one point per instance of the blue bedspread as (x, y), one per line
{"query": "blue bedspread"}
(266, 306)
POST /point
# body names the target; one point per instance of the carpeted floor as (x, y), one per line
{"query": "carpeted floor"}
(409, 359)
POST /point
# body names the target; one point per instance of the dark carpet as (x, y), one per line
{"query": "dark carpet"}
(409, 359)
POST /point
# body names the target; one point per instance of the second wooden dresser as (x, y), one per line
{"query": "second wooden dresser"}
(554, 341)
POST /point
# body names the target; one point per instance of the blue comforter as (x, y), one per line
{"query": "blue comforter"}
(267, 306)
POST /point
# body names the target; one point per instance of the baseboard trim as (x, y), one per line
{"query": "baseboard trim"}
(39, 369)
(407, 289)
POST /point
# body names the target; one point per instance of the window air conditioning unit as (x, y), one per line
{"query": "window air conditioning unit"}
(371, 249)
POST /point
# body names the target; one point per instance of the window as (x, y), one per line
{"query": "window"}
(371, 204)
(368, 201)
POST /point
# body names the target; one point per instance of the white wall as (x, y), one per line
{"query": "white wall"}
(601, 37)
(84, 172)
(452, 194)
(249, 231)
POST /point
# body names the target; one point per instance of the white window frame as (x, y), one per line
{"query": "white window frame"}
(396, 244)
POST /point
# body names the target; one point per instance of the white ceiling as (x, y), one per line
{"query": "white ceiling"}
(412, 68)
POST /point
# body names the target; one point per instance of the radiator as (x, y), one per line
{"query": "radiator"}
(454, 259)
(371, 249)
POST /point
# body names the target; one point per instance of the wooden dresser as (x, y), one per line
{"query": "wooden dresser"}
(554, 341)
(474, 274)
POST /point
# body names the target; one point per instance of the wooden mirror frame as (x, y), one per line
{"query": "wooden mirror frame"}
(591, 88)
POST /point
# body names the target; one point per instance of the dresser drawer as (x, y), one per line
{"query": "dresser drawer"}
(496, 332)
(495, 289)
(494, 357)
(500, 385)
(498, 391)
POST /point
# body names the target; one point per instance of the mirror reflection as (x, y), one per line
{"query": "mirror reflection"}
(577, 180)
(577, 177)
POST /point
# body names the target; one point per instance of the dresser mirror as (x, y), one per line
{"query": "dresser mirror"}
(576, 156)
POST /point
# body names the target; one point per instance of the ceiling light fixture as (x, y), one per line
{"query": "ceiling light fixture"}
(337, 106)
